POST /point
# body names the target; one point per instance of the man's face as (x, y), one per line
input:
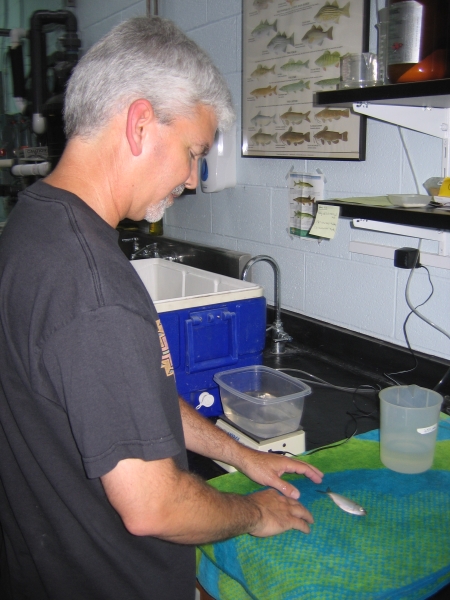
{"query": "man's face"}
(176, 155)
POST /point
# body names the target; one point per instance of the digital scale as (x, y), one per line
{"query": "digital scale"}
(292, 443)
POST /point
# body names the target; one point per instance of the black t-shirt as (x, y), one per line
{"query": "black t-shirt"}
(83, 385)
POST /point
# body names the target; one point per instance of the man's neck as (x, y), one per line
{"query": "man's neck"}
(82, 172)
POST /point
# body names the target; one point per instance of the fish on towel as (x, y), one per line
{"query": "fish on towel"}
(345, 503)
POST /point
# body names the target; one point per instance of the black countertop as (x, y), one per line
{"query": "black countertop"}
(330, 413)
(344, 360)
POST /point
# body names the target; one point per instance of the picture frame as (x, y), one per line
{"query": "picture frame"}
(290, 50)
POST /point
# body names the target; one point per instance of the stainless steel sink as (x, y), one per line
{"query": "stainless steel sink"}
(137, 245)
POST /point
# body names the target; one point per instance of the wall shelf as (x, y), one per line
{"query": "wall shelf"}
(423, 94)
(422, 106)
(435, 218)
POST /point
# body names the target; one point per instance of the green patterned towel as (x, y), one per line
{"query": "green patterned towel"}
(400, 550)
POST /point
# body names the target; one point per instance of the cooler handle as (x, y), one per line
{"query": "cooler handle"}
(193, 366)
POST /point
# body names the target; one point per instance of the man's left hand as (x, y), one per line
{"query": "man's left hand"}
(266, 468)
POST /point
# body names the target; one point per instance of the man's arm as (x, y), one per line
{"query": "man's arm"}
(202, 437)
(155, 498)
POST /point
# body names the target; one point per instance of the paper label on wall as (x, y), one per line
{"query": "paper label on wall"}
(304, 190)
(326, 221)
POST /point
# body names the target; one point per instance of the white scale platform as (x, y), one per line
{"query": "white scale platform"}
(293, 443)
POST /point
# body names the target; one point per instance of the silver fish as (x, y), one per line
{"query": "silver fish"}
(280, 43)
(264, 120)
(345, 503)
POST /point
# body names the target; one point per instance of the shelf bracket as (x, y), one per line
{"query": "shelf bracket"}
(432, 121)
(440, 236)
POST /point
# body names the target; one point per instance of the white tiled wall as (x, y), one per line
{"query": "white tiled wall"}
(323, 279)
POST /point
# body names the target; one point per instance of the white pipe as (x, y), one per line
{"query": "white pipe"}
(39, 124)
(6, 163)
(15, 35)
(41, 169)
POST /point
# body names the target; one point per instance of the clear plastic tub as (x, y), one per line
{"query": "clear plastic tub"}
(262, 401)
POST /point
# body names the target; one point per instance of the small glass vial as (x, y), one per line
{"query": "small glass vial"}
(156, 228)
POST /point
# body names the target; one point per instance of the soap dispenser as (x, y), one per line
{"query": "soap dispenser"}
(218, 167)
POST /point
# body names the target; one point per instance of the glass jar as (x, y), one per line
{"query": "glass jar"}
(156, 228)
(419, 40)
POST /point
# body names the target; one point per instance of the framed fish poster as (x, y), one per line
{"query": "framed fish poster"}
(292, 49)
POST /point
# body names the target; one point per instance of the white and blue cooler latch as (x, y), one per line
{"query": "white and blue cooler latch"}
(218, 168)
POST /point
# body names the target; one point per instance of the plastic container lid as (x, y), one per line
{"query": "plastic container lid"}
(282, 387)
(409, 200)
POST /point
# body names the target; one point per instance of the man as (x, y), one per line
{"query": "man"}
(95, 499)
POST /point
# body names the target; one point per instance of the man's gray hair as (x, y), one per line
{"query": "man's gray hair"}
(144, 57)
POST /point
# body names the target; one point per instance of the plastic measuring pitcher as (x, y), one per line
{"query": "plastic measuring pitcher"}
(408, 427)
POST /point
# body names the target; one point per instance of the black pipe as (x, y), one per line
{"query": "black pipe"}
(39, 19)
(18, 77)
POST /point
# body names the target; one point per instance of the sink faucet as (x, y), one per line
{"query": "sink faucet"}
(152, 251)
(279, 336)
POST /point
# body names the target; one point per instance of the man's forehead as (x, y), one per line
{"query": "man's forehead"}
(201, 128)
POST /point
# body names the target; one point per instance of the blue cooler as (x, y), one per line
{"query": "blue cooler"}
(212, 323)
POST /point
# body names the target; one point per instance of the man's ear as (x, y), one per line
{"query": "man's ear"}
(140, 114)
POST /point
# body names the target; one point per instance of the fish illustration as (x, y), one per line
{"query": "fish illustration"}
(294, 117)
(294, 65)
(280, 42)
(332, 82)
(262, 70)
(264, 28)
(316, 35)
(297, 86)
(328, 59)
(331, 137)
(330, 114)
(263, 120)
(294, 137)
(302, 200)
(267, 91)
(302, 215)
(332, 12)
(260, 4)
(263, 139)
(345, 503)
(302, 184)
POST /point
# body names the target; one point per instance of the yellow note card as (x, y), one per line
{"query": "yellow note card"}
(326, 221)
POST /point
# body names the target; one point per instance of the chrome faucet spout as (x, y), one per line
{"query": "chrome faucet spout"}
(279, 336)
